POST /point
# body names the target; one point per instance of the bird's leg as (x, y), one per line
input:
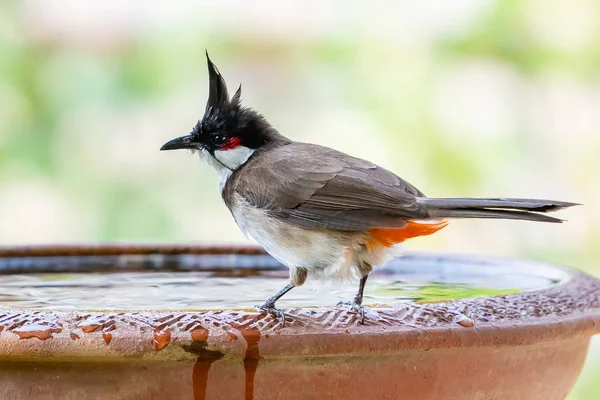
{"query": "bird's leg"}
(361, 289)
(356, 304)
(269, 304)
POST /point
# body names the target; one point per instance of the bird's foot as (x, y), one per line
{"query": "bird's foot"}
(359, 308)
(270, 308)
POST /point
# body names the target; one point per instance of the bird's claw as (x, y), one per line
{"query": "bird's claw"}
(359, 308)
(276, 312)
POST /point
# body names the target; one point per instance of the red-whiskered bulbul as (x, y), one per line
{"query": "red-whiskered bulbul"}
(322, 213)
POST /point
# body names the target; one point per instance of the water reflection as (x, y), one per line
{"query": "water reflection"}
(408, 279)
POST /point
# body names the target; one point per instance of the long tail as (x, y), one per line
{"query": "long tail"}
(526, 209)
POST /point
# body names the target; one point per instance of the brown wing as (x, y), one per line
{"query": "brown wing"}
(317, 187)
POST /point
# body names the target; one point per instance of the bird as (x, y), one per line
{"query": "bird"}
(324, 214)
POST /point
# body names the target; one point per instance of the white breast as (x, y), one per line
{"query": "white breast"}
(323, 253)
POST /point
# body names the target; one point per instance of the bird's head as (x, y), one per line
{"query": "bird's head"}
(228, 134)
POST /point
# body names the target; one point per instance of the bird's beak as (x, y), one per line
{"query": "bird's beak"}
(183, 142)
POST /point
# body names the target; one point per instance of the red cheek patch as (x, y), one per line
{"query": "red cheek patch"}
(230, 144)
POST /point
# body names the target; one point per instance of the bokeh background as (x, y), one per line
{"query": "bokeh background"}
(461, 98)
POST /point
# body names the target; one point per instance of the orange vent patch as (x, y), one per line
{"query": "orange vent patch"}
(389, 237)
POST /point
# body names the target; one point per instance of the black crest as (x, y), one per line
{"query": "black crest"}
(217, 94)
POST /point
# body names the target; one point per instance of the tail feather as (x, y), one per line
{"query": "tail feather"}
(523, 209)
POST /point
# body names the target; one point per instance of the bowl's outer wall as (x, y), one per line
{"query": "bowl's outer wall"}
(543, 371)
(529, 345)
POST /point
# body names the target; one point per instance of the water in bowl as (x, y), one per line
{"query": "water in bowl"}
(418, 278)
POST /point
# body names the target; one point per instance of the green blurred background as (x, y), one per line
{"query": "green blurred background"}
(462, 98)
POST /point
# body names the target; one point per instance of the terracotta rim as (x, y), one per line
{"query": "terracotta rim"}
(565, 310)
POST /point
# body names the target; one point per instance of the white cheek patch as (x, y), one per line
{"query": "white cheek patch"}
(234, 158)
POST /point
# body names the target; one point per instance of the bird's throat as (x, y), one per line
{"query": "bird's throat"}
(225, 162)
(233, 158)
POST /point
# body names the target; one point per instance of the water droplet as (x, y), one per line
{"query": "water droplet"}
(35, 330)
(107, 337)
(161, 339)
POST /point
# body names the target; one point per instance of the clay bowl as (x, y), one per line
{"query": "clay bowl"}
(163, 322)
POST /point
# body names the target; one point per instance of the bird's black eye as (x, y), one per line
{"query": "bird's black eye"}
(219, 140)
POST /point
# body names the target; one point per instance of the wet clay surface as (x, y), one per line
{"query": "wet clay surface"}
(251, 335)
(249, 332)
(202, 366)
